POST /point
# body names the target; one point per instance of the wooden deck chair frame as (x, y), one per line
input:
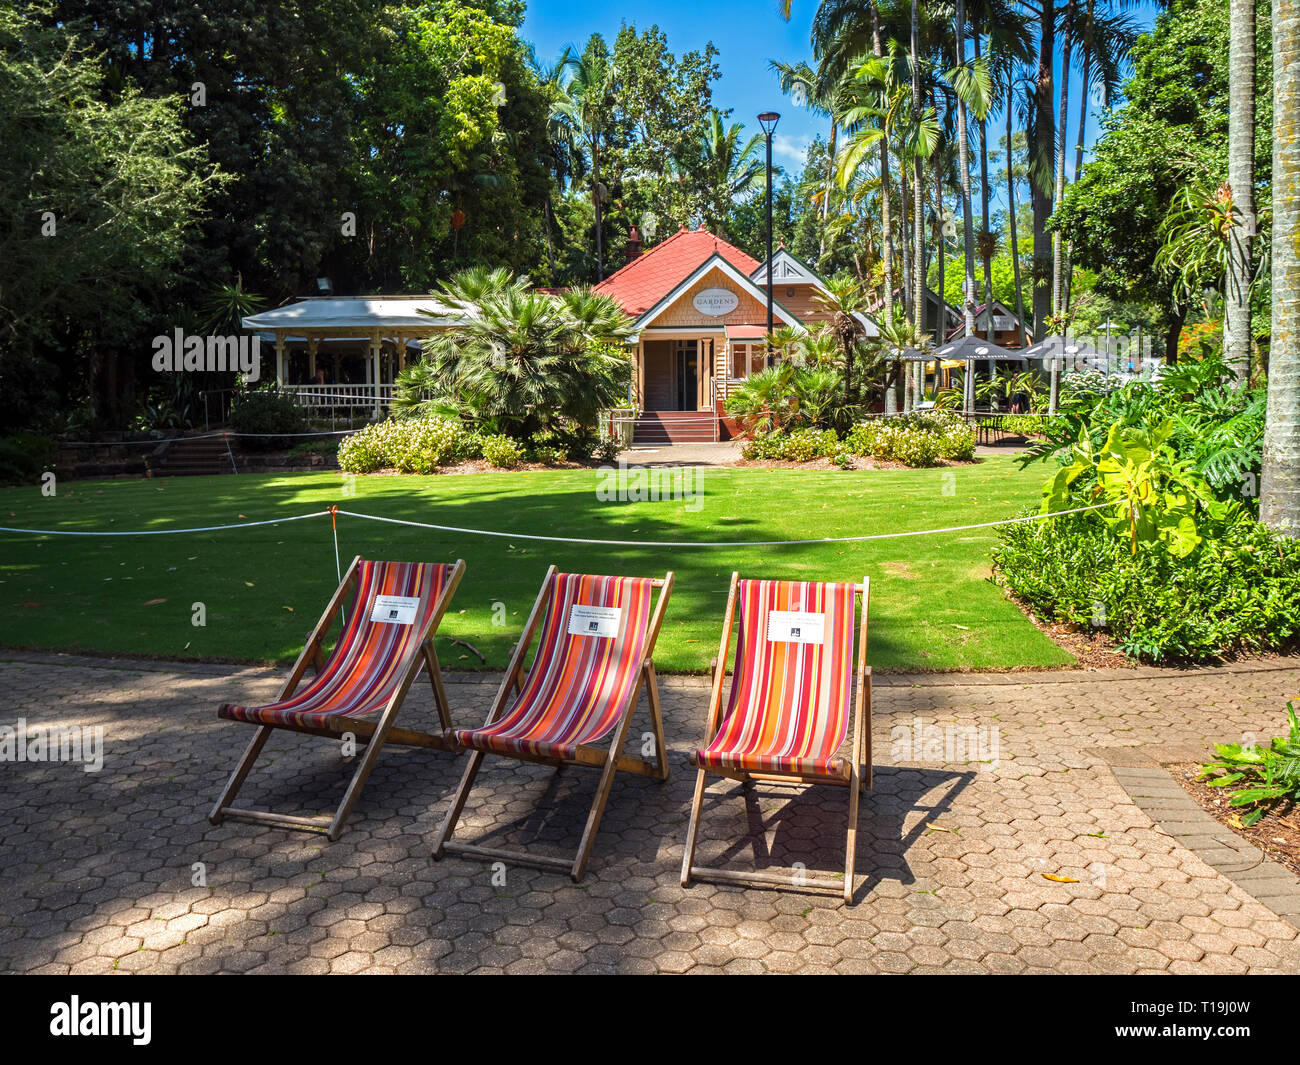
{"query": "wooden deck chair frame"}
(856, 776)
(587, 755)
(374, 734)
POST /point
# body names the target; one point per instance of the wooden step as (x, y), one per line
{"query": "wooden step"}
(675, 427)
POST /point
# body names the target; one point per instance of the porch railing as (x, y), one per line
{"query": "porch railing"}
(341, 395)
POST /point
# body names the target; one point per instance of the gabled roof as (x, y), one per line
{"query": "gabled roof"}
(998, 308)
(716, 262)
(647, 279)
(788, 269)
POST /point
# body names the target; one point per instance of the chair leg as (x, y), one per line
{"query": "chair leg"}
(358, 781)
(439, 692)
(602, 790)
(457, 804)
(697, 804)
(851, 840)
(656, 720)
(238, 777)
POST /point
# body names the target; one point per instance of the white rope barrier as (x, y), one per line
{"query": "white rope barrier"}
(568, 539)
(719, 543)
(164, 532)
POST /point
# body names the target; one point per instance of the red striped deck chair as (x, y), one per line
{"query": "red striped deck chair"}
(594, 655)
(387, 636)
(788, 711)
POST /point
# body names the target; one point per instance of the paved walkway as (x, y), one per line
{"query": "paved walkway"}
(119, 870)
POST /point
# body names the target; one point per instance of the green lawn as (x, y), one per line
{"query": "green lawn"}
(932, 605)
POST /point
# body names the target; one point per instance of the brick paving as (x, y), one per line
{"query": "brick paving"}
(98, 870)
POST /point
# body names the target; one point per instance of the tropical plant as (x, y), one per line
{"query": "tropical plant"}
(524, 361)
(1153, 495)
(1271, 774)
(766, 401)
(844, 299)
(732, 167)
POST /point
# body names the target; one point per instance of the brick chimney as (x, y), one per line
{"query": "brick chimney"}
(633, 244)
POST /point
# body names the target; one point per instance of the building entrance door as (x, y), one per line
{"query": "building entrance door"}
(688, 375)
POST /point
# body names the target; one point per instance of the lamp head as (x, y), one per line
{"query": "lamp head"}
(768, 120)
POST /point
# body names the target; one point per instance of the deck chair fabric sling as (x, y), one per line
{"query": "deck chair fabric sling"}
(594, 655)
(387, 636)
(788, 711)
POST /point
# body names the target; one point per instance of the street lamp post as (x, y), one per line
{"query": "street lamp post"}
(768, 120)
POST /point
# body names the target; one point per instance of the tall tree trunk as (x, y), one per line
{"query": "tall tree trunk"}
(886, 214)
(826, 194)
(595, 199)
(1241, 176)
(1041, 153)
(918, 194)
(1279, 504)
(986, 240)
(1011, 212)
(1062, 131)
(1078, 156)
(967, 219)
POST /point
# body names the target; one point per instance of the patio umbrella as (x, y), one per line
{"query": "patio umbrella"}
(972, 349)
(1062, 346)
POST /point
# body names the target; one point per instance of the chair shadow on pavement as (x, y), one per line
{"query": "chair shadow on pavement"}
(809, 827)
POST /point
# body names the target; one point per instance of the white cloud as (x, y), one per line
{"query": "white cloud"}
(793, 149)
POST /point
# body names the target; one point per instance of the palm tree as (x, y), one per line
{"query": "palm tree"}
(971, 86)
(1241, 178)
(522, 360)
(1008, 48)
(559, 148)
(817, 90)
(1279, 504)
(1104, 41)
(734, 170)
(584, 106)
(845, 301)
(896, 339)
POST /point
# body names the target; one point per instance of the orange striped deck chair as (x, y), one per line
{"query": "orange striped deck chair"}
(387, 636)
(788, 711)
(594, 655)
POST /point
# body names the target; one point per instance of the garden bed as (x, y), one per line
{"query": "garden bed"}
(1277, 833)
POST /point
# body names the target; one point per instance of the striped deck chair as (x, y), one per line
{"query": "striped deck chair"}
(788, 712)
(594, 654)
(387, 636)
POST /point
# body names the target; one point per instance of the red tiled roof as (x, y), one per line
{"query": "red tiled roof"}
(650, 277)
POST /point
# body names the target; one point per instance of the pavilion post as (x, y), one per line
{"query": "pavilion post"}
(374, 373)
(281, 369)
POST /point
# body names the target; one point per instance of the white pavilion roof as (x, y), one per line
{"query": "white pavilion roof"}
(320, 315)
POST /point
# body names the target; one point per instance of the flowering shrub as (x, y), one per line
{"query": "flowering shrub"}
(502, 452)
(802, 445)
(417, 445)
(921, 438)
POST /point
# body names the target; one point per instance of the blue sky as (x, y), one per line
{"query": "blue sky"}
(746, 34)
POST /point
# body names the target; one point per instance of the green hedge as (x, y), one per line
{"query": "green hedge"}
(1234, 594)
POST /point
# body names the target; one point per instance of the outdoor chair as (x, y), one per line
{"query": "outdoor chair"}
(387, 636)
(594, 655)
(788, 710)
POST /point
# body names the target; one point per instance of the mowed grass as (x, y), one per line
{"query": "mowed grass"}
(933, 606)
